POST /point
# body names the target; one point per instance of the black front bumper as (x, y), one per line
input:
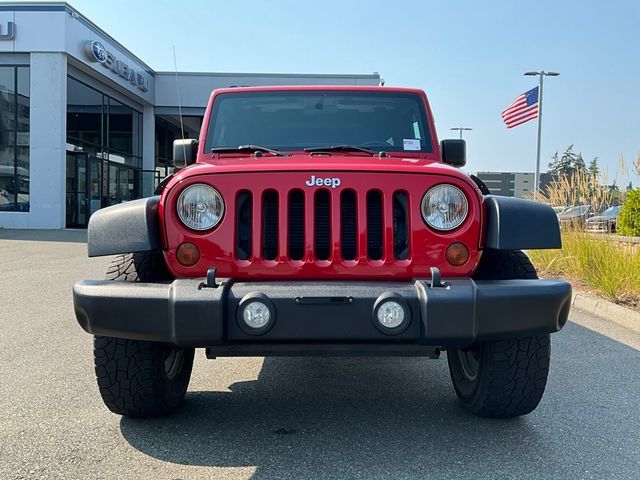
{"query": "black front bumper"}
(310, 314)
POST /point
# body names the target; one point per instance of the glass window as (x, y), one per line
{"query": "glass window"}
(14, 138)
(7, 105)
(393, 122)
(84, 115)
(97, 120)
(121, 127)
(169, 128)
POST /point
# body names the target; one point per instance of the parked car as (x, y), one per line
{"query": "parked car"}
(321, 221)
(605, 222)
(559, 209)
(575, 217)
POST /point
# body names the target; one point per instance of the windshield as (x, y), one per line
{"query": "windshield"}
(576, 211)
(285, 120)
(611, 212)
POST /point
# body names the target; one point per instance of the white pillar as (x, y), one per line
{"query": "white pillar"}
(48, 132)
(148, 149)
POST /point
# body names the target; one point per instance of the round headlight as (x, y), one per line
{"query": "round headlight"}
(444, 207)
(200, 207)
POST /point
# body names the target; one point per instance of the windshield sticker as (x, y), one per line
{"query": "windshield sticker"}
(411, 143)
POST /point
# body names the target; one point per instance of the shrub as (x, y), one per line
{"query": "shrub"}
(629, 218)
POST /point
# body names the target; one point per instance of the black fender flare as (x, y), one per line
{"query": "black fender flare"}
(125, 228)
(517, 224)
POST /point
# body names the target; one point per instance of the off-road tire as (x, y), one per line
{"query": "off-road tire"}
(138, 378)
(510, 375)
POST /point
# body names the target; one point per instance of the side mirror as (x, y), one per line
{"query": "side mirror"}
(184, 152)
(454, 152)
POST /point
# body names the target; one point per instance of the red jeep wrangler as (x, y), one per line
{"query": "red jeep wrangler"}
(321, 221)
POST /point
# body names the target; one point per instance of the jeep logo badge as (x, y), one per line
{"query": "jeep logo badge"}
(323, 182)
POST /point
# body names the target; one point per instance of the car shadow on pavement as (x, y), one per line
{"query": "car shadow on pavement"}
(309, 418)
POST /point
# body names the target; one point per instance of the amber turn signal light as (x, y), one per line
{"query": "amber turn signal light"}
(457, 254)
(188, 254)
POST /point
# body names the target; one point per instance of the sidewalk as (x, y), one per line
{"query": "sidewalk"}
(607, 310)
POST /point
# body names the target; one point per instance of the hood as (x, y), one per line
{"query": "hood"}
(318, 163)
(599, 218)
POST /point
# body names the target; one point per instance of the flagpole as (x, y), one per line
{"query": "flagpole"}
(541, 74)
(536, 187)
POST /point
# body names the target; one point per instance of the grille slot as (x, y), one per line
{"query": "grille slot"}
(296, 225)
(322, 208)
(270, 225)
(374, 225)
(243, 225)
(401, 236)
(348, 225)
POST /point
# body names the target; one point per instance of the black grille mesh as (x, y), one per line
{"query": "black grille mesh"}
(295, 224)
(270, 225)
(374, 225)
(323, 225)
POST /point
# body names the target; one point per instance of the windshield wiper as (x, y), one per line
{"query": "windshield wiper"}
(249, 148)
(341, 148)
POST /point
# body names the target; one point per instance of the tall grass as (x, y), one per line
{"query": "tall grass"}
(611, 268)
(608, 267)
(580, 188)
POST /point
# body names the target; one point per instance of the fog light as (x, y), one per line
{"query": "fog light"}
(391, 314)
(188, 254)
(256, 314)
(457, 254)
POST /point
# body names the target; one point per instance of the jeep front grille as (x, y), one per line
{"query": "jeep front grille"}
(321, 225)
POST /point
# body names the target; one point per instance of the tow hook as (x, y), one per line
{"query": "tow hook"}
(436, 281)
(211, 279)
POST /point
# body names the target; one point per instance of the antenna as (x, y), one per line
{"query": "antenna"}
(175, 65)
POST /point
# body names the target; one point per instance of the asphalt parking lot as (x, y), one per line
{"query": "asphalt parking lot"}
(292, 418)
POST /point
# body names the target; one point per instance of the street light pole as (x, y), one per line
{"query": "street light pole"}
(461, 129)
(541, 74)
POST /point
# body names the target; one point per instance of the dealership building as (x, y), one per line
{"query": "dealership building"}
(85, 124)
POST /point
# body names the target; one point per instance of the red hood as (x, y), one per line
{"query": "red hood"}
(316, 163)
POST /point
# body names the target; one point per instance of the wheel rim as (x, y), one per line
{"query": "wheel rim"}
(470, 362)
(174, 358)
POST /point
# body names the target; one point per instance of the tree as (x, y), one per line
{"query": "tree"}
(568, 163)
(630, 187)
(594, 169)
(578, 164)
(562, 165)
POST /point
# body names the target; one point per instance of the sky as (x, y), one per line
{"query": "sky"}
(469, 56)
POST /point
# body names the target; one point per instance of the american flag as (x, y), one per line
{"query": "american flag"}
(523, 109)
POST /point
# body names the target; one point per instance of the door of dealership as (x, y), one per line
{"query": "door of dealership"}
(94, 183)
(84, 187)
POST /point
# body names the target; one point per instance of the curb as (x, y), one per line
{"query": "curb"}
(607, 310)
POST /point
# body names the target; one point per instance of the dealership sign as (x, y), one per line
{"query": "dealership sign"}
(11, 32)
(97, 53)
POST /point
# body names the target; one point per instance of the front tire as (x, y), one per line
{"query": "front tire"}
(503, 378)
(138, 378)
